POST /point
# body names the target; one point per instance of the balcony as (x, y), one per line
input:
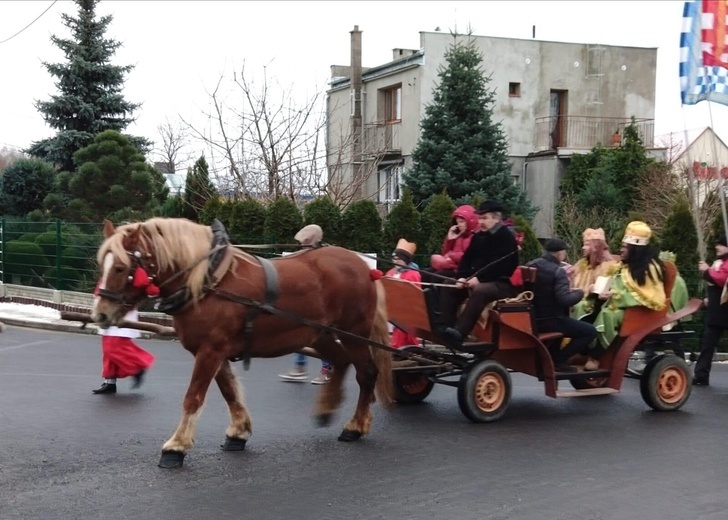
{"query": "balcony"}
(382, 138)
(583, 132)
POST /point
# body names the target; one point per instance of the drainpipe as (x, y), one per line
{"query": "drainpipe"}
(356, 116)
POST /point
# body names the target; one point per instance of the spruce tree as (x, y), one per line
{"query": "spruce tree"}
(90, 98)
(198, 189)
(461, 148)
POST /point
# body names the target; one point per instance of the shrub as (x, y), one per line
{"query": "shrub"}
(323, 212)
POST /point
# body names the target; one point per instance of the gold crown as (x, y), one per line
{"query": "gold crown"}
(409, 247)
(637, 233)
(594, 234)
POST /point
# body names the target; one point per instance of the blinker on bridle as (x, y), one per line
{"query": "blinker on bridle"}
(139, 280)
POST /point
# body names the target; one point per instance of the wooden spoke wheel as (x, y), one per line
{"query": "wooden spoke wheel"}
(484, 392)
(666, 384)
(411, 387)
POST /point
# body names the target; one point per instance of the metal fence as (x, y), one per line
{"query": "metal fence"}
(54, 255)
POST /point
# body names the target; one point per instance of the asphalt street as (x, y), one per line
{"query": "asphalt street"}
(67, 454)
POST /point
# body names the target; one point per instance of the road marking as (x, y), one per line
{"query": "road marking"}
(25, 345)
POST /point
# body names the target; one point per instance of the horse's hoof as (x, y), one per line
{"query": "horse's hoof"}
(349, 435)
(323, 420)
(233, 444)
(171, 459)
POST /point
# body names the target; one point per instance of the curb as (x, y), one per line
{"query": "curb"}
(67, 327)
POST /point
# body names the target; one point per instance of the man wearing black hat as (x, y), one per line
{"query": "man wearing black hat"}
(483, 273)
(552, 300)
(716, 313)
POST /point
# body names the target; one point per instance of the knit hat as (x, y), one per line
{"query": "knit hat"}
(594, 234)
(637, 233)
(721, 241)
(309, 235)
(555, 244)
(405, 250)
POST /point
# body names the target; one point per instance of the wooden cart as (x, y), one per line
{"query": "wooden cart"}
(507, 341)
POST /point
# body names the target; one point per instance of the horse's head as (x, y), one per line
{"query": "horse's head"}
(128, 270)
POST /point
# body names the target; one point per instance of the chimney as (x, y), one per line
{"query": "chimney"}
(356, 98)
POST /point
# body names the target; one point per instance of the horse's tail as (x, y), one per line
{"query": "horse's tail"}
(382, 358)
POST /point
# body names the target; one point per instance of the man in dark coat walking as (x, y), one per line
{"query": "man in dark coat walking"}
(716, 314)
(552, 301)
(483, 273)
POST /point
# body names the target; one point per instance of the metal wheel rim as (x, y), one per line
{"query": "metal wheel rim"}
(671, 385)
(490, 392)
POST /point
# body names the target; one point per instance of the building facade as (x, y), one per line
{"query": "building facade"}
(553, 100)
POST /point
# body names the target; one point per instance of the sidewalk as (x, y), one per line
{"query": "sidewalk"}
(39, 317)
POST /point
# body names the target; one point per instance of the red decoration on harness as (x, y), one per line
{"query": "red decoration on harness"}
(142, 281)
(375, 274)
(517, 278)
(96, 289)
(141, 278)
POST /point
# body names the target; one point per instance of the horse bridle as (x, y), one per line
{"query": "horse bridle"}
(140, 278)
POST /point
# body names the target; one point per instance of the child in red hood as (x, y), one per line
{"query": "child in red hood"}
(463, 224)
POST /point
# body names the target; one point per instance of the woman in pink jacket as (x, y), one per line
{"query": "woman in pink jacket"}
(463, 224)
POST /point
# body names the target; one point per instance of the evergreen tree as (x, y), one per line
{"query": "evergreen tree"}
(283, 221)
(174, 206)
(680, 236)
(531, 247)
(24, 185)
(326, 214)
(198, 189)
(113, 181)
(403, 222)
(361, 227)
(211, 211)
(247, 221)
(461, 148)
(90, 98)
(435, 222)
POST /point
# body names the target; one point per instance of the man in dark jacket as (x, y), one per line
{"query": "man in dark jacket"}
(716, 314)
(552, 299)
(483, 273)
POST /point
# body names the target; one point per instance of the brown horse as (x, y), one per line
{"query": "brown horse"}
(230, 305)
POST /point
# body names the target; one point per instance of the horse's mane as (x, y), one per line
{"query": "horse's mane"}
(177, 243)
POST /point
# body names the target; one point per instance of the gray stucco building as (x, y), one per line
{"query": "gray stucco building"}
(553, 99)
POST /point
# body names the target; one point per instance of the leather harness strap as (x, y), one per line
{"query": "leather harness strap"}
(270, 279)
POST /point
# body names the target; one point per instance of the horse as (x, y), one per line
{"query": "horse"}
(229, 305)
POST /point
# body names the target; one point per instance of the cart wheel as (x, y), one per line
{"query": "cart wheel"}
(592, 382)
(411, 387)
(665, 383)
(484, 391)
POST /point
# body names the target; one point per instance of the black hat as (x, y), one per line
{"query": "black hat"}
(721, 241)
(555, 244)
(489, 206)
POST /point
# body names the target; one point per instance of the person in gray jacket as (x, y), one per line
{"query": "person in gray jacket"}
(552, 300)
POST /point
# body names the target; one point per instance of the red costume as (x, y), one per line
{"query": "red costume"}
(123, 357)
(401, 338)
(453, 249)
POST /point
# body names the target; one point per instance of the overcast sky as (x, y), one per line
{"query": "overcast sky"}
(181, 48)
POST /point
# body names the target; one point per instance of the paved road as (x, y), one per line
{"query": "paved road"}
(67, 454)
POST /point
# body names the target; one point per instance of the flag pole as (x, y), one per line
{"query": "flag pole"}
(721, 189)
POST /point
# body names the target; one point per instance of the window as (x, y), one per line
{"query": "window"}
(393, 104)
(390, 183)
(514, 89)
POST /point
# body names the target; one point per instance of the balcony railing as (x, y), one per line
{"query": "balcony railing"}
(382, 137)
(584, 132)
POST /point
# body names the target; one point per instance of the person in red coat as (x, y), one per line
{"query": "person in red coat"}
(464, 223)
(403, 269)
(121, 356)
(716, 312)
